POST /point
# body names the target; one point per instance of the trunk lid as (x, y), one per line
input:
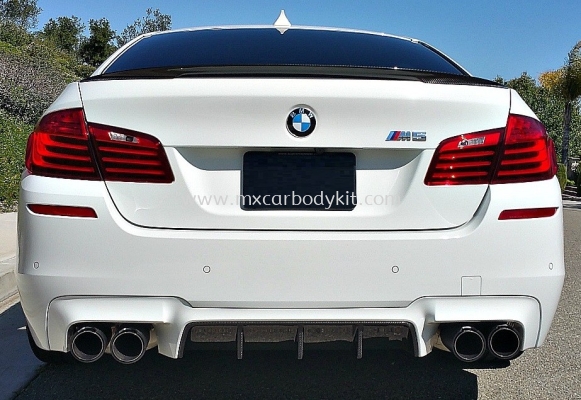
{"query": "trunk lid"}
(207, 125)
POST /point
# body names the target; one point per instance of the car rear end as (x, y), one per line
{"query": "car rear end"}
(168, 204)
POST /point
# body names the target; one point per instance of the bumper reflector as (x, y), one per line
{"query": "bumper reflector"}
(528, 213)
(62, 211)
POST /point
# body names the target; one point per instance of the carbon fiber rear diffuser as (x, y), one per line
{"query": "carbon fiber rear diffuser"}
(300, 334)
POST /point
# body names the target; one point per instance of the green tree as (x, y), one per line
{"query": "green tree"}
(98, 46)
(14, 34)
(566, 83)
(23, 13)
(65, 32)
(153, 21)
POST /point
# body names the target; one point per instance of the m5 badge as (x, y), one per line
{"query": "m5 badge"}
(406, 136)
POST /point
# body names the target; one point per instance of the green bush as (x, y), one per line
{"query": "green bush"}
(33, 72)
(562, 176)
(32, 79)
(13, 136)
(84, 71)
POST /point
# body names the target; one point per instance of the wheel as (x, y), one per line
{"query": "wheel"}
(47, 356)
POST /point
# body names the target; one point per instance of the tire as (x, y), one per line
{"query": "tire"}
(47, 356)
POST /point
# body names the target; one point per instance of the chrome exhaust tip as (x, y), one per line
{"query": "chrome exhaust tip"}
(129, 344)
(504, 342)
(466, 342)
(88, 344)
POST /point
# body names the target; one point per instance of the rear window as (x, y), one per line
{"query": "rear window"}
(268, 47)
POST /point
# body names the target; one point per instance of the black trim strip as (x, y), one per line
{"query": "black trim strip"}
(295, 71)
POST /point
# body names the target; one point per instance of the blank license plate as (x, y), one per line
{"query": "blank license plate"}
(298, 181)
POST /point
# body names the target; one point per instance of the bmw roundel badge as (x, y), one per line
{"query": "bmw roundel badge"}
(301, 122)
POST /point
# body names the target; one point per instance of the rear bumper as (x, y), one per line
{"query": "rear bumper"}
(172, 317)
(74, 270)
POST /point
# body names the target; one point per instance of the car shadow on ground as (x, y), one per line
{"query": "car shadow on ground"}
(265, 375)
(261, 375)
(17, 363)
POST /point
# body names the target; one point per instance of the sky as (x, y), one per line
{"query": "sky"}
(488, 38)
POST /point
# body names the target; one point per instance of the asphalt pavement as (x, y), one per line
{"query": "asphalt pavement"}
(550, 372)
(8, 247)
(17, 363)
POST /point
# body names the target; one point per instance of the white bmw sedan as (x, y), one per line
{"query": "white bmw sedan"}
(302, 185)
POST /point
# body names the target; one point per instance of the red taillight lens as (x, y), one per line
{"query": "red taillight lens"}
(465, 159)
(130, 156)
(527, 213)
(528, 153)
(59, 147)
(521, 153)
(62, 211)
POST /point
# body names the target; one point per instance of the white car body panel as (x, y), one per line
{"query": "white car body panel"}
(205, 147)
(355, 114)
(321, 270)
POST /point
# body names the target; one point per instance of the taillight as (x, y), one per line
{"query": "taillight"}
(465, 159)
(520, 153)
(130, 156)
(528, 154)
(61, 146)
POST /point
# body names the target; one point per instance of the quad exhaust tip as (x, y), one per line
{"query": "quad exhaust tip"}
(88, 344)
(466, 342)
(504, 342)
(129, 344)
